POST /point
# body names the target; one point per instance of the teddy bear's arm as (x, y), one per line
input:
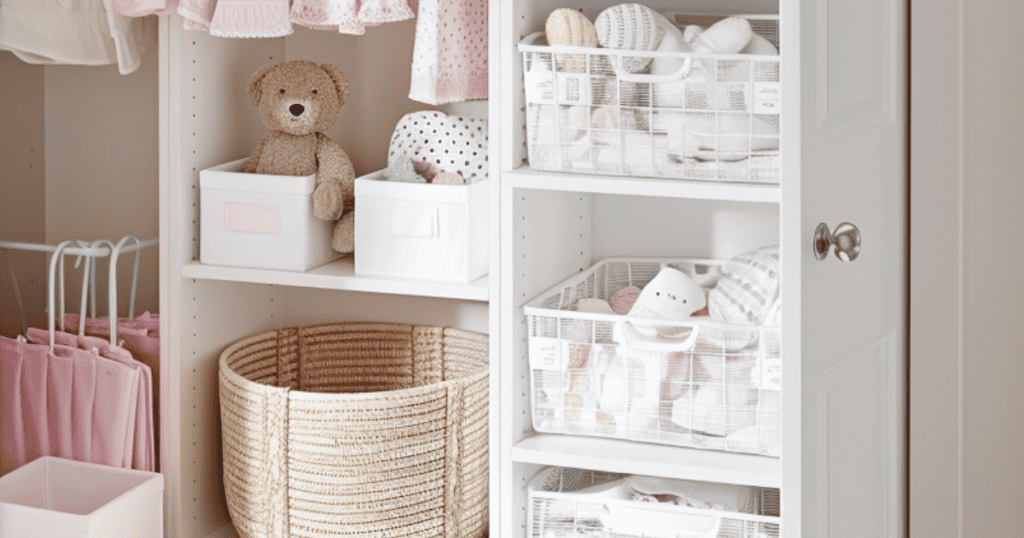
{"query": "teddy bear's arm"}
(335, 180)
(254, 158)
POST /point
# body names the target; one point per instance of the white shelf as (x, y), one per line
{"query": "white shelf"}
(526, 178)
(340, 275)
(614, 455)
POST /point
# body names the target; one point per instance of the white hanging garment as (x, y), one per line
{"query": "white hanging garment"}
(73, 32)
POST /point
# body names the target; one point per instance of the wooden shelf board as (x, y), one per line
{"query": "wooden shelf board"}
(340, 275)
(526, 178)
(619, 456)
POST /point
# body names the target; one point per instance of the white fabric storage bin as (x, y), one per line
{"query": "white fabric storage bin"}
(697, 383)
(715, 119)
(421, 231)
(58, 498)
(570, 503)
(261, 221)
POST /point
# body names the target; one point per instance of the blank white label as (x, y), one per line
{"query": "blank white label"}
(410, 221)
(252, 218)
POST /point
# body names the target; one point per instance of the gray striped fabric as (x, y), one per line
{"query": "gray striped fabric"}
(748, 288)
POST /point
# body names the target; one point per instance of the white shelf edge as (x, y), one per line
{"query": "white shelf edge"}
(619, 456)
(526, 178)
(340, 275)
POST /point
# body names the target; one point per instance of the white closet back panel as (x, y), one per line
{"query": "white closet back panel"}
(23, 180)
(378, 68)
(641, 226)
(306, 306)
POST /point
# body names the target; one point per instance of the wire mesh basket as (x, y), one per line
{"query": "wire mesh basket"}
(365, 429)
(700, 383)
(574, 503)
(714, 119)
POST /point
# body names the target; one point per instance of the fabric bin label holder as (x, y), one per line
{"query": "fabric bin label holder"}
(417, 207)
(252, 217)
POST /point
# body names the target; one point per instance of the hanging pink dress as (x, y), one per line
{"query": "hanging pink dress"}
(141, 435)
(144, 345)
(36, 418)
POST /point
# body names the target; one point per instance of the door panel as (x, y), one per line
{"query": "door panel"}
(843, 155)
(857, 440)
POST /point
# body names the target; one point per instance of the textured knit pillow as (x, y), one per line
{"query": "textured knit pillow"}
(748, 289)
(631, 27)
(453, 143)
(570, 27)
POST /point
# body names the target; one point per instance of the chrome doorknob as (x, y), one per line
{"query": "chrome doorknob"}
(846, 239)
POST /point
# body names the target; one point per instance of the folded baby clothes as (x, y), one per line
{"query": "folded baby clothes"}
(450, 52)
(251, 18)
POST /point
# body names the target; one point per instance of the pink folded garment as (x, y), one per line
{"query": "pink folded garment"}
(140, 437)
(251, 18)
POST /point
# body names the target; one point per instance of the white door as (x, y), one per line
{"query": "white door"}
(844, 109)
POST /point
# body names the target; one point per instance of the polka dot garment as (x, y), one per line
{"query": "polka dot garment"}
(450, 55)
(453, 143)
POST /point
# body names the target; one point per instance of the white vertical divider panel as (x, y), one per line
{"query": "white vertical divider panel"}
(546, 237)
(496, 123)
(206, 119)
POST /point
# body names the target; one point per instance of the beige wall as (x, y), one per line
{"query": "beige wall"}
(993, 377)
(22, 187)
(79, 151)
(102, 166)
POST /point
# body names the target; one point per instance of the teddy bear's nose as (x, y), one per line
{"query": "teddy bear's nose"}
(296, 109)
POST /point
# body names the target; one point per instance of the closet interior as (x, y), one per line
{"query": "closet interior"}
(106, 155)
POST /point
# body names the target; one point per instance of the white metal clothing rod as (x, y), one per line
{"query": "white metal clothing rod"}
(92, 252)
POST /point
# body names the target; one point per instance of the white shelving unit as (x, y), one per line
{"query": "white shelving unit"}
(842, 138)
(526, 178)
(340, 275)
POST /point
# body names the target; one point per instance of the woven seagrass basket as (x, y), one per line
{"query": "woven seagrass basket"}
(356, 429)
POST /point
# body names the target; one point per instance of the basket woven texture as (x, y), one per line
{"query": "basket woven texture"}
(356, 430)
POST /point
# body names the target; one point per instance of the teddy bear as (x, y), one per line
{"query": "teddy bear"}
(298, 101)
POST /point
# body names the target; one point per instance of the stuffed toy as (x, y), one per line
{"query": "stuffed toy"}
(298, 101)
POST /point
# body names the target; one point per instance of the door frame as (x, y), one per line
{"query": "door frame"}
(936, 249)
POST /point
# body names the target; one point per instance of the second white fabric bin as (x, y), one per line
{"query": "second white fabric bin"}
(261, 221)
(421, 231)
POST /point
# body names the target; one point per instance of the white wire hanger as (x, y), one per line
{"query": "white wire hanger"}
(82, 249)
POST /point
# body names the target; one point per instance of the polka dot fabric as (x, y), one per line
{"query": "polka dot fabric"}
(450, 54)
(453, 143)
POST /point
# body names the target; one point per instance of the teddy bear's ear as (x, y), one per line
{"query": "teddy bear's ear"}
(256, 84)
(340, 82)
